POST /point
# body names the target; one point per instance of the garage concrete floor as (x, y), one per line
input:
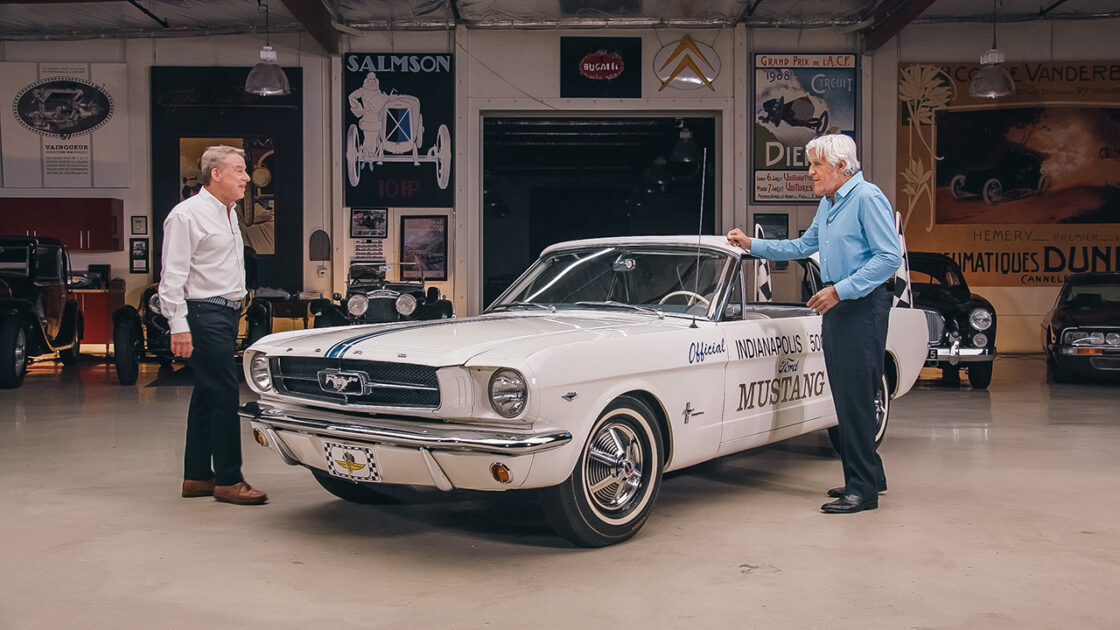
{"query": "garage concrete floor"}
(1002, 513)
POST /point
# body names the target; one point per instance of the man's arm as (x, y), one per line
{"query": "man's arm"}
(775, 249)
(177, 247)
(877, 220)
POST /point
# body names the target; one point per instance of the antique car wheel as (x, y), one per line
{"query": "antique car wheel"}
(351, 491)
(13, 353)
(1043, 184)
(951, 374)
(609, 495)
(442, 152)
(882, 417)
(126, 353)
(957, 187)
(353, 156)
(980, 374)
(993, 191)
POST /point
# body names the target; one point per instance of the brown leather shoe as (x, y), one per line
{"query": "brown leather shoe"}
(192, 488)
(239, 494)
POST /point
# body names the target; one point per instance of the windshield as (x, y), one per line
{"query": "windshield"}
(667, 279)
(924, 271)
(1093, 293)
(14, 259)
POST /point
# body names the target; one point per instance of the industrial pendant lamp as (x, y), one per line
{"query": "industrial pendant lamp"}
(992, 80)
(266, 78)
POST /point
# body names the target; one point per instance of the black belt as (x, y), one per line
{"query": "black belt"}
(888, 285)
(220, 301)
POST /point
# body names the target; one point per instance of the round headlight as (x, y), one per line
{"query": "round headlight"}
(357, 305)
(980, 318)
(979, 340)
(153, 303)
(1096, 338)
(1113, 339)
(508, 393)
(406, 304)
(259, 372)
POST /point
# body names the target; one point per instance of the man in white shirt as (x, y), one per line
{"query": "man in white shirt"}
(200, 293)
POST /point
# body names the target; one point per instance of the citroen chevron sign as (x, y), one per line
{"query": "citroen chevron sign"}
(686, 65)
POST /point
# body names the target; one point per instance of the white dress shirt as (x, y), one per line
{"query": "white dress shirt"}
(203, 256)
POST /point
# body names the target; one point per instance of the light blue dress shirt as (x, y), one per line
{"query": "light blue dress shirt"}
(855, 236)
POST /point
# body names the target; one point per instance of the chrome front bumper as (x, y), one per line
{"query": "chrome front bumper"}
(956, 354)
(398, 433)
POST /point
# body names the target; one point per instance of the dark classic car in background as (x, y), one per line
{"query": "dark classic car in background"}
(1016, 172)
(141, 330)
(37, 315)
(970, 320)
(1081, 334)
(371, 299)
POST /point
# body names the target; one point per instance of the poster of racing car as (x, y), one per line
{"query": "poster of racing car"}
(797, 98)
(398, 122)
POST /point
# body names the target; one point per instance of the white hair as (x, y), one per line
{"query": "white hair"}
(835, 147)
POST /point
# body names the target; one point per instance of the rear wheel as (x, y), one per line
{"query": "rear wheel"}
(126, 352)
(957, 186)
(980, 374)
(611, 491)
(70, 355)
(993, 191)
(351, 491)
(13, 353)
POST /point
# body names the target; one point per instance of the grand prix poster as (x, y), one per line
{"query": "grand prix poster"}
(797, 98)
(398, 121)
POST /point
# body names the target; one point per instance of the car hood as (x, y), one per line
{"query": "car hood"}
(444, 342)
(1100, 315)
(941, 299)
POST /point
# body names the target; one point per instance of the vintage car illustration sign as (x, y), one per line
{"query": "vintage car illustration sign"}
(398, 123)
(797, 98)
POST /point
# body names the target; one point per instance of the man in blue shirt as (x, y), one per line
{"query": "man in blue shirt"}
(854, 232)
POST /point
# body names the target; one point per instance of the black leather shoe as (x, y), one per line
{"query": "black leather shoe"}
(850, 504)
(840, 491)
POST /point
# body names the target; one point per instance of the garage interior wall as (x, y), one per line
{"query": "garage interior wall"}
(516, 72)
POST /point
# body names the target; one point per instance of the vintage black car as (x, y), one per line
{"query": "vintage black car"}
(1016, 171)
(1081, 333)
(142, 330)
(371, 299)
(969, 339)
(38, 317)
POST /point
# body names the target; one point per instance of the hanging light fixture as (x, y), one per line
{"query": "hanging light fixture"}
(992, 80)
(267, 78)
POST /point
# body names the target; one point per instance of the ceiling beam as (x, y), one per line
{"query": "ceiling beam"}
(889, 18)
(315, 19)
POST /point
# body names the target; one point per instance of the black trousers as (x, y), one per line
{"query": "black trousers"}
(854, 336)
(213, 427)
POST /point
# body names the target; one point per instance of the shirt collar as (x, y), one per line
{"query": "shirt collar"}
(214, 201)
(853, 181)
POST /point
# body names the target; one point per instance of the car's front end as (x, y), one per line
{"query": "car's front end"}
(1082, 332)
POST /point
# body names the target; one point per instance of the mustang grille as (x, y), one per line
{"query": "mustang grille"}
(384, 383)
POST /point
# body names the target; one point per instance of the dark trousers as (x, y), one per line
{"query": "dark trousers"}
(213, 428)
(854, 336)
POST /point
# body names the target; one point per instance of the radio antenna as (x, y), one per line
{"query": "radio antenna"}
(700, 230)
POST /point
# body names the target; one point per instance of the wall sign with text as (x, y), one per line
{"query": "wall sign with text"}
(798, 97)
(600, 67)
(398, 121)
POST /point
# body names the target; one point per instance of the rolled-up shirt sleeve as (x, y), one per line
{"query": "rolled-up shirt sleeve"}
(178, 244)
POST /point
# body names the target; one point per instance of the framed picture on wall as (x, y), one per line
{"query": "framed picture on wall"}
(369, 222)
(139, 226)
(774, 225)
(138, 255)
(423, 244)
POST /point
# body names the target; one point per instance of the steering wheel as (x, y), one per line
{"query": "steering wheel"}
(692, 297)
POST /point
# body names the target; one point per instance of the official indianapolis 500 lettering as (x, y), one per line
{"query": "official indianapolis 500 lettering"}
(698, 350)
(775, 391)
(769, 346)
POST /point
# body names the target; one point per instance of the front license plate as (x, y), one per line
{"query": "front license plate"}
(932, 354)
(355, 463)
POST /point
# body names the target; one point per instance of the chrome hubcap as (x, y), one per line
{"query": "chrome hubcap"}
(613, 469)
(20, 354)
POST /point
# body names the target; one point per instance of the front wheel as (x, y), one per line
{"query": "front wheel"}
(993, 191)
(980, 374)
(611, 491)
(351, 491)
(13, 353)
(126, 352)
(882, 416)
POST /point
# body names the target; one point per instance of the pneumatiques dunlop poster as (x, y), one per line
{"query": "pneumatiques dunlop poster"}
(1022, 190)
(798, 97)
(398, 121)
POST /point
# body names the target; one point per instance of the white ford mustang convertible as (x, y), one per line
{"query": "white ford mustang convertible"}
(606, 364)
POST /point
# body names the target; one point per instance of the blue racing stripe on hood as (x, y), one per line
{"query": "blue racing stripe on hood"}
(341, 348)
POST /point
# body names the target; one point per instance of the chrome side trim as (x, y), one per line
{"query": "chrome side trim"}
(282, 448)
(424, 436)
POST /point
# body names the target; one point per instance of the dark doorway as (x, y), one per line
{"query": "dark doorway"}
(547, 180)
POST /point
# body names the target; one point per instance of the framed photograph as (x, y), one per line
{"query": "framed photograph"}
(774, 225)
(139, 226)
(369, 222)
(424, 243)
(138, 255)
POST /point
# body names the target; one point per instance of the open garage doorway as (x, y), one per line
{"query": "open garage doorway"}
(547, 180)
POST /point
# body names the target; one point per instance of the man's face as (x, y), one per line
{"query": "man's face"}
(228, 182)
(371, 81)
(827, 178)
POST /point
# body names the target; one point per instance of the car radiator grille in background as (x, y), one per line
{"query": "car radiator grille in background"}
(389, 384)
(935, 323)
